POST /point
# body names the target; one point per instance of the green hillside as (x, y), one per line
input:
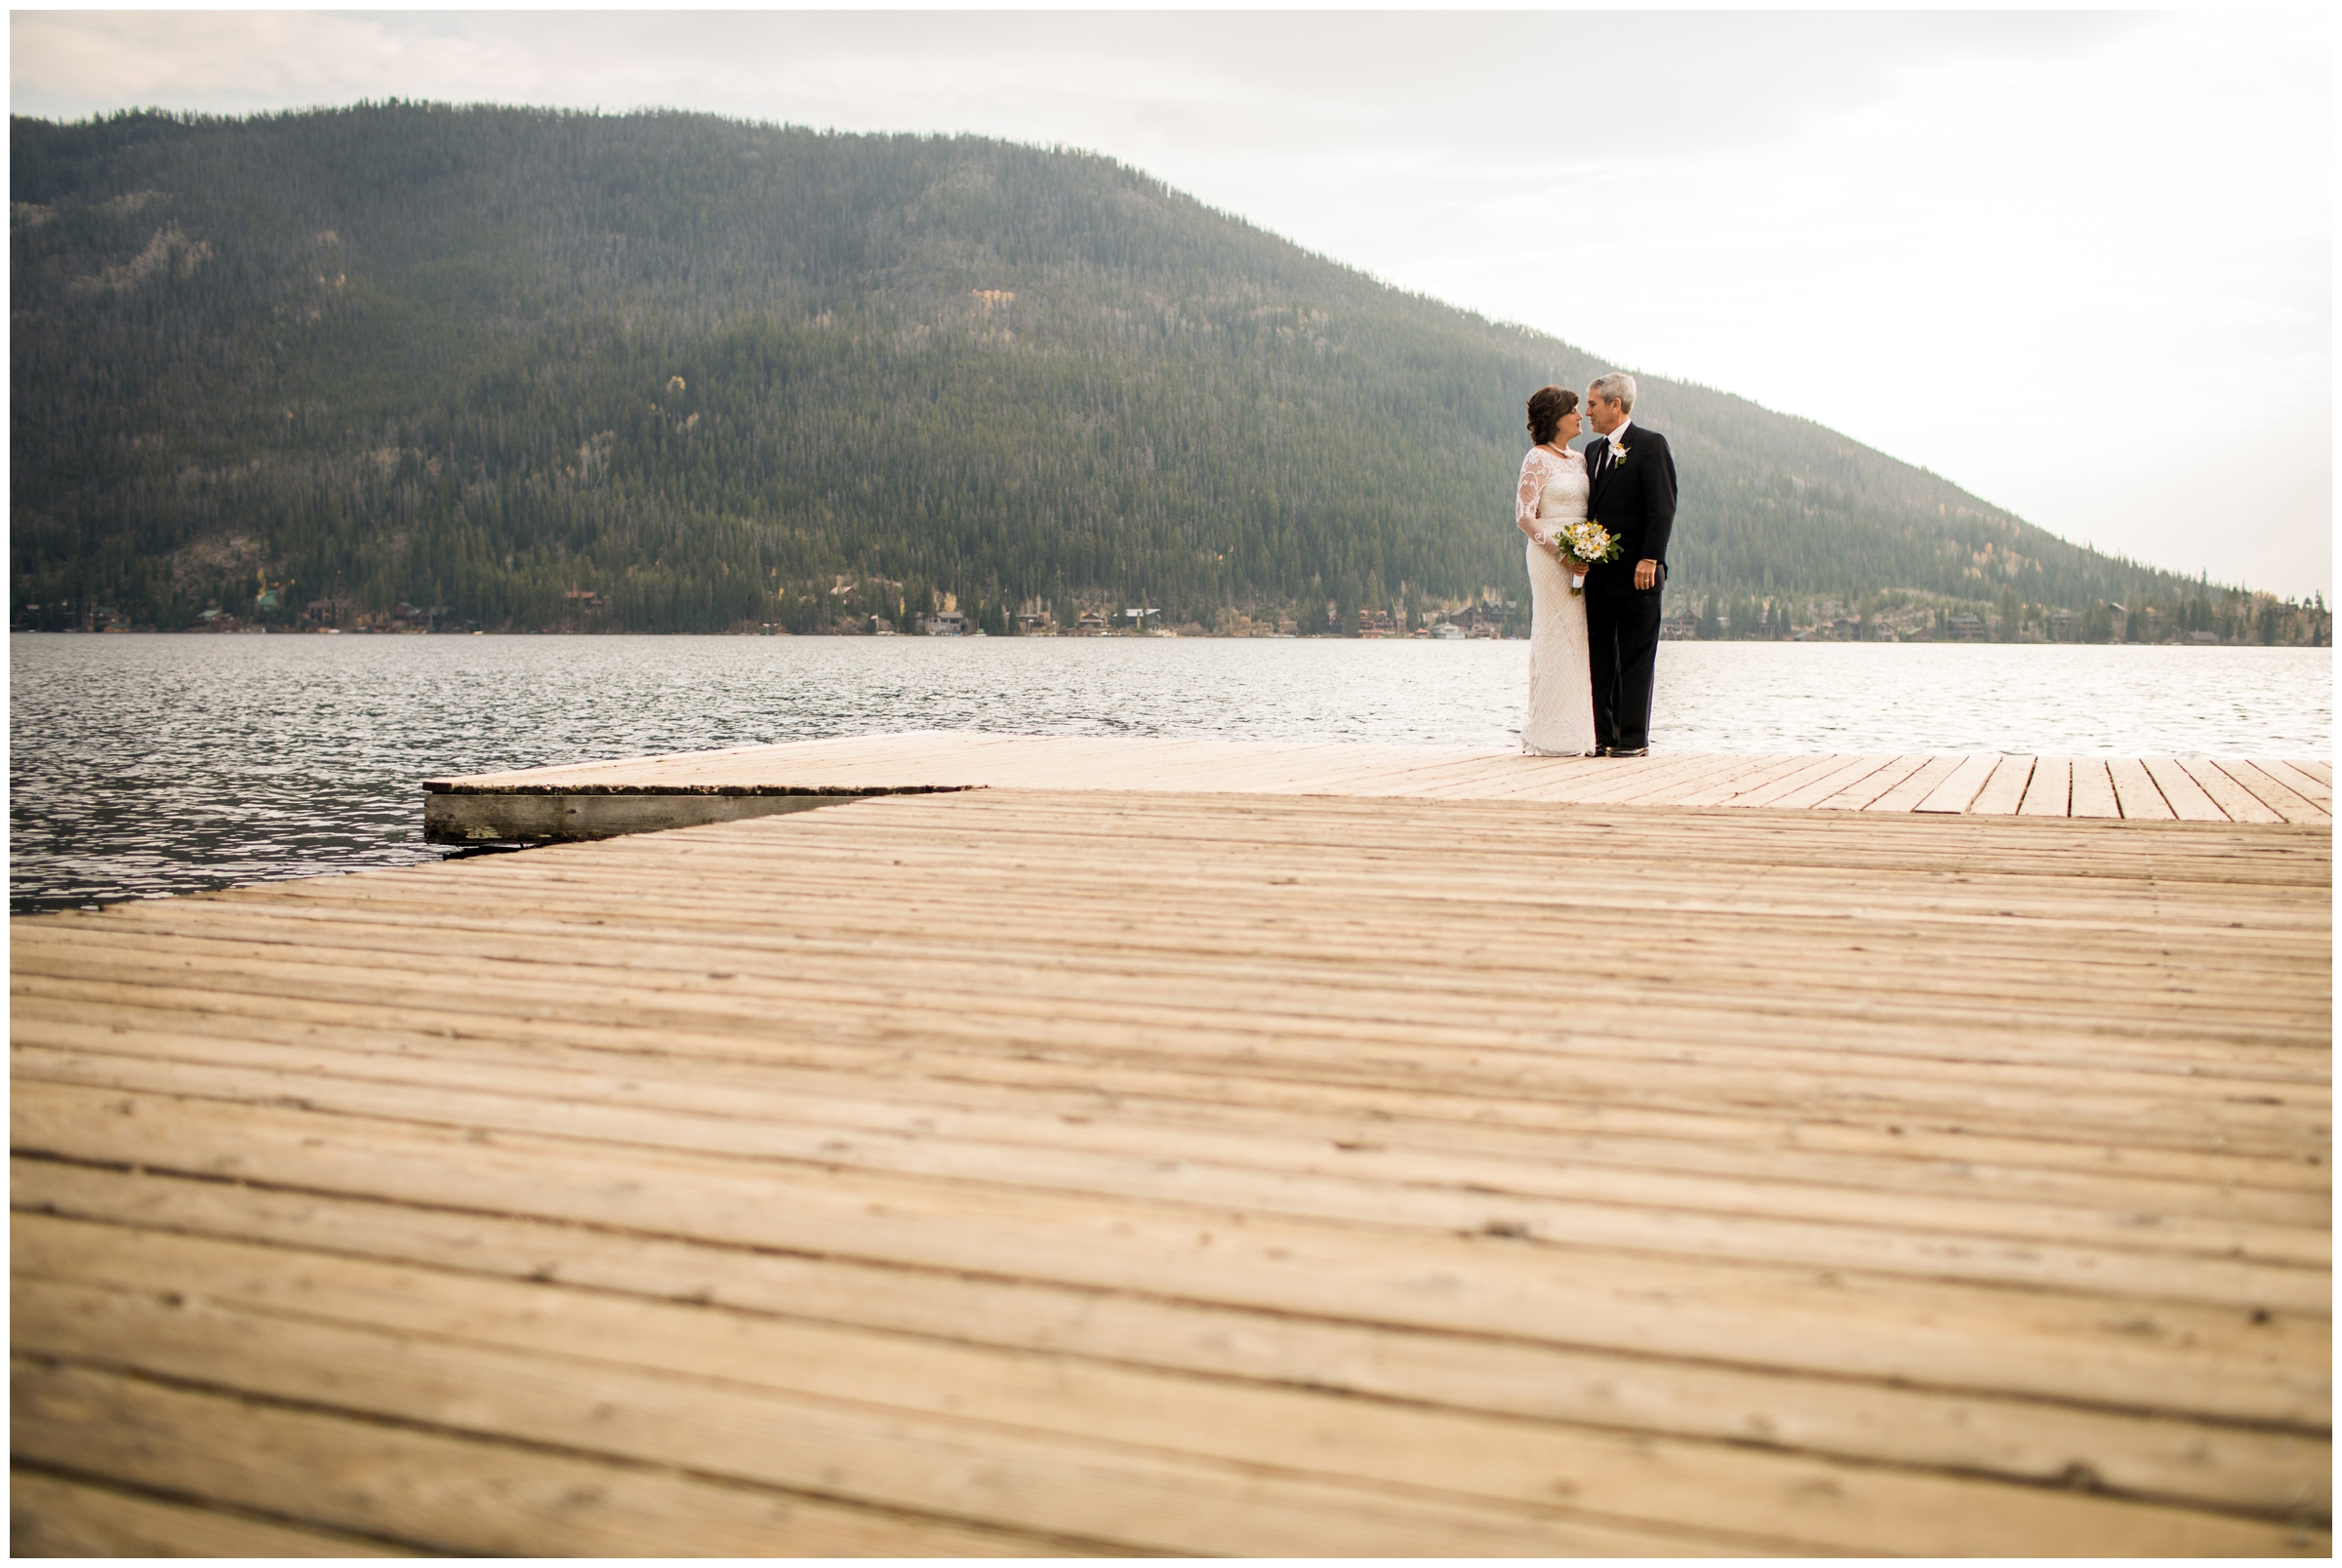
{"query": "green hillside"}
(711, 373)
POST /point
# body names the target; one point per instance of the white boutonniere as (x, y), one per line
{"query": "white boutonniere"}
(1618, 454)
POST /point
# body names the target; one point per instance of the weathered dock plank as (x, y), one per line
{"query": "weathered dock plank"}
(405, 1489)
(2003, 793)
(2237, 802)
(2051, 793)
(2135, 790)
(2272, 791)
(1107, 1170)
(1960, 788)
(2189, 801)
(51, 1515)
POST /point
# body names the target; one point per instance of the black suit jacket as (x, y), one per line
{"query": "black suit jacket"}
(1635, 498)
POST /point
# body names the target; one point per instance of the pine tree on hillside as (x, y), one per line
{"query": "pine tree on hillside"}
(671, 372)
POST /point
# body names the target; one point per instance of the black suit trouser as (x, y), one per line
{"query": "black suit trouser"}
(1622, 631)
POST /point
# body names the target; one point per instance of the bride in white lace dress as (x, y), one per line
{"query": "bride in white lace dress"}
(1552, 492)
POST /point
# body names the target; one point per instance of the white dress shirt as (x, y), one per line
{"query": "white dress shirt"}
(1618, 437)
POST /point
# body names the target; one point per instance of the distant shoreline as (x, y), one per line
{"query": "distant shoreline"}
(1124, 636)
(1153, 637)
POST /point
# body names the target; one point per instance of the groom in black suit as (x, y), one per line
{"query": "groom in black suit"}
(1633, 494)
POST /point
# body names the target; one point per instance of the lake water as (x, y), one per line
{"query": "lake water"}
(147, 765)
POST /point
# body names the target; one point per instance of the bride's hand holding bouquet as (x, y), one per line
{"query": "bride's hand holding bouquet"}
(1582, 546)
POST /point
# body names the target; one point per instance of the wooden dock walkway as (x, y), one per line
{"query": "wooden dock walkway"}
(639, 793)
(1099, 1170)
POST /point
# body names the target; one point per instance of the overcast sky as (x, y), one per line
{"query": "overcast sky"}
(2080, 264)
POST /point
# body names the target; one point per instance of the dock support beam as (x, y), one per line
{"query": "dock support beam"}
(554, 816)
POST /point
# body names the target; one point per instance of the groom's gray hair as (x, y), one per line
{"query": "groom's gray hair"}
(1616, 388)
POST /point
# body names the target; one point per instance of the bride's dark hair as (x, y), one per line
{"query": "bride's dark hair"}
(1548, 406)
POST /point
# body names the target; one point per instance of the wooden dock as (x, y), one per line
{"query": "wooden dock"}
(636, 794)
(1139, 1168)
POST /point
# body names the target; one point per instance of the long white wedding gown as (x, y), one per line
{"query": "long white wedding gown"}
(1552, 492)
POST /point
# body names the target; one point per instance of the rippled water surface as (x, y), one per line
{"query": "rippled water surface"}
(156, 764)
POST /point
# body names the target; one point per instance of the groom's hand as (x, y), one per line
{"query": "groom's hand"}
(1646, 574)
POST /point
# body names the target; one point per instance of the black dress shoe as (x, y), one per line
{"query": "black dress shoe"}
(1601, 752)
(1627, 751)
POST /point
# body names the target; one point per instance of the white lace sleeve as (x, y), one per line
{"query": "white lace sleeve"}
(1532, 487)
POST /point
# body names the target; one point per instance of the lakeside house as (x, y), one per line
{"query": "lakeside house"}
(1482, 618)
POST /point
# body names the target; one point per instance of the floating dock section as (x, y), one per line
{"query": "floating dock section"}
(1320, 1159)
(639, 794)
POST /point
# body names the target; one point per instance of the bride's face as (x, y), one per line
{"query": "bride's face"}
(1568, 430)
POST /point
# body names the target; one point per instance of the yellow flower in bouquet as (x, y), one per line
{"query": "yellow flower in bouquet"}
(1588, 543)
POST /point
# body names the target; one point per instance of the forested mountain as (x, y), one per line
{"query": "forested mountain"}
(714, 373)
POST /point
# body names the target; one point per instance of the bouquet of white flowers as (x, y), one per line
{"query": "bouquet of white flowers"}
(1588, 543)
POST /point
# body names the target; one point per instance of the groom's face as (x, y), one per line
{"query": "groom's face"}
(1603, 413)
